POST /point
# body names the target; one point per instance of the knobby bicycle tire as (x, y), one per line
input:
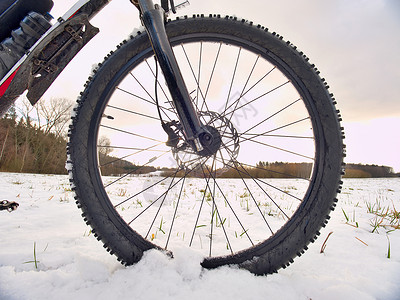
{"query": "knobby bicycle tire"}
(111, 221)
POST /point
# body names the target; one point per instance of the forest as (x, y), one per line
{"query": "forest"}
(31, 144)
(303, 170)
(34, 140)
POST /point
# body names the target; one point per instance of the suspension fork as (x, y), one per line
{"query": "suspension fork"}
(152, 17)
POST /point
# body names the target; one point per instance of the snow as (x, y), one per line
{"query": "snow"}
(72, 264)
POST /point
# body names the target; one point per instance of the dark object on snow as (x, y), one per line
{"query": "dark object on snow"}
(7, 205)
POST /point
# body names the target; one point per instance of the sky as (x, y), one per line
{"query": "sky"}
(355, 44)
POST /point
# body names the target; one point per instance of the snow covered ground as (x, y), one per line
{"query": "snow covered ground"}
(72, 264)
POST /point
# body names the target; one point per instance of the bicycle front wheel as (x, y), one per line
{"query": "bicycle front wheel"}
(257, 198)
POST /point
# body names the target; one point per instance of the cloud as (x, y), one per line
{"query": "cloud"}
(355, 44)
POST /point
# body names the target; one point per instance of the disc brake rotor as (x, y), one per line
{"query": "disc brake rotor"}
(223, 158)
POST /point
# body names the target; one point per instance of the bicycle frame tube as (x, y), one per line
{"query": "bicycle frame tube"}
(95, 7)
(152, 17)
(20, 76)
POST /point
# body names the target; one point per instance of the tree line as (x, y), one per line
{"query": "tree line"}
(33, 140)
(369, 171)
(269, 170)
(288, 170)
(303, 170)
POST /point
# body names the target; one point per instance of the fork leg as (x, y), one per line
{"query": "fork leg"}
(152, 17)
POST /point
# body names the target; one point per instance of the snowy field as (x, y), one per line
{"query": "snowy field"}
(357, 262)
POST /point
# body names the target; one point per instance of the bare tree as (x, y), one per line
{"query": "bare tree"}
(4, 144)
(37, 135)
(56, 115)
(25, 110)
(104, 145)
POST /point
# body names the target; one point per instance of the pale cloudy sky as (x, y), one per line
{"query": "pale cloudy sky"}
(355, 44)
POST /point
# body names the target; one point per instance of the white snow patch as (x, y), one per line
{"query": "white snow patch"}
(72, 264)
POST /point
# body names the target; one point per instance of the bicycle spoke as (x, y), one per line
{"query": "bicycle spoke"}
(162, 108)
(130, 148)
(132, 154)
(254, 179)
(215, 208)
(136, 170)
(197, 80)
(200, 209)
(245, 172)
(257, 98)
(130, 133)
(143, 88)
(243, 94)
(212, 215)
(199, 75)
(161, 204)
(144, 190)
(271, 116)
(279, 135)
(132, 112)
(231, 208)
(278, 148)
(255, 202)
(155, 201)
(176, 209)
(265, 192)
(212, 73)
(174, 175)
(269, 131)
(275, 172)
(233, 79)
(159, 84)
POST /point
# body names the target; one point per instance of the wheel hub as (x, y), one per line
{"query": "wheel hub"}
(210, 142)
(222, 142)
